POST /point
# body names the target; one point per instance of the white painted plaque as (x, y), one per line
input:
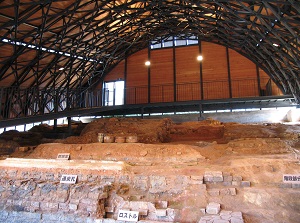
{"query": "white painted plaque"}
(68, 179)
(291, 178)
(63, 156)
(128, 215)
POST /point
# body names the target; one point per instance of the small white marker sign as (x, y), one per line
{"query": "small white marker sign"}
(291, 178)
(63, 156)
(68, 179)
(128, 215)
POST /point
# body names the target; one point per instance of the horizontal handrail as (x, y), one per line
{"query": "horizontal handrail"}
(17, 102)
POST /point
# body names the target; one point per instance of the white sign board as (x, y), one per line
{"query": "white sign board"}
(68, 179)
(291, 178)
(63, 156)
(128, 215)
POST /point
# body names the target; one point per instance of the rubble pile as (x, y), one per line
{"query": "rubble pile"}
(147, 131)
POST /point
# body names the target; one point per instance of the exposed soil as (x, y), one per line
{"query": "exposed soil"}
(260, 153)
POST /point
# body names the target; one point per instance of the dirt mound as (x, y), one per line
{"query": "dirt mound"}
(147, 131)
(204, 130)
(236, 131)
(258, 146)
(132, 153)
(7, 147)
(43, 128)
(22, 138)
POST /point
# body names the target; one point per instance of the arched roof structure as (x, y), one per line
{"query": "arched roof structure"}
(74, 43)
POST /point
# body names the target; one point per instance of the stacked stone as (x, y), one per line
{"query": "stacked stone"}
(215, 177)
(289, 185)
(27, 217)
(215, 215)
(223, 191)
(41, 192)
(147, 210)
(46, 197)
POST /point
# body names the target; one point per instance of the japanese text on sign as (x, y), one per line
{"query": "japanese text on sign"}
(68, 179)
(290, 178)
(63, 156)
(128, 215)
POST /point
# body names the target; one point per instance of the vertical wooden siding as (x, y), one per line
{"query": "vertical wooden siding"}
(215, 71)
(243, 76)
(116, 73)
(217, 67)
(187, 73)
(161, 76)
(137, 78)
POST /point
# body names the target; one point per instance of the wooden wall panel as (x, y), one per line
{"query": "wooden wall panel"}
(161, 66)
(214, 64)
(188, 72)
(214, 71)
(264, 78)
(137, 71)
(268, 87)
(137, 78)
(243, 76)
(188, 91)
(162, 75)
(243, 73)
(241, 67)
(187, 66)
(116, 73)
(162, 93)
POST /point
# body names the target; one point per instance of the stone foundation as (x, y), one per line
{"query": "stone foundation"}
(30, 191)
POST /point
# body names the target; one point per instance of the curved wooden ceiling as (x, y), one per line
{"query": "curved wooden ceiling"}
(74, 43)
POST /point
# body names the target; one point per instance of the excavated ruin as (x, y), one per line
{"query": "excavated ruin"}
(188, 172)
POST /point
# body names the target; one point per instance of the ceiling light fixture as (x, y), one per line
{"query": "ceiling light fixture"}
(200, 58)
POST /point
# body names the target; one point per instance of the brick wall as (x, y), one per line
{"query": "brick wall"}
(28, 195)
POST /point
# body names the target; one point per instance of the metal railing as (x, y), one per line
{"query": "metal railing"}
(201, 91)
(17, 102)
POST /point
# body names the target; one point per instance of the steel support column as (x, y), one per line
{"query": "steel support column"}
(125, 79)
(258, 81)
(228, 70)
(149, 75)
(174, 71)
(201, 73)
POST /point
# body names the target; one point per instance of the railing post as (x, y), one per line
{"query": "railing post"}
(69, 126)
(114, 96)
(200, 112)
(142, 112)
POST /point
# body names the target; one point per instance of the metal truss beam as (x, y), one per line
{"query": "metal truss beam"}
(88, 38)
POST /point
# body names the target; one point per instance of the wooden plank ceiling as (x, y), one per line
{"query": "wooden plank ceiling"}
(74, 43)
